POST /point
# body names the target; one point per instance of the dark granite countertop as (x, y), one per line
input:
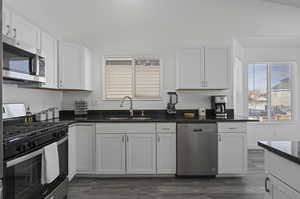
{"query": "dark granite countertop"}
(289, 150)
(155, 116)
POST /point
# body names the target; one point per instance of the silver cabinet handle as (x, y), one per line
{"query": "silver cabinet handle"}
(15, 33)
(127, 138)
(123, 138)
(165, 128)
(60, 83)
(220, 139)
(8, 30)
(158, 138)
(232, 128)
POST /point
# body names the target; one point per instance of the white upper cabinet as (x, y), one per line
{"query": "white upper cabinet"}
(74, 67)
(189, 68)
(25, 32)
(49, 49)
(18, 28)
(6, 22)
(202, 68)
(216, 68)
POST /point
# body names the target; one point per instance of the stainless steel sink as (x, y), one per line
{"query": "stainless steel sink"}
(129, 118)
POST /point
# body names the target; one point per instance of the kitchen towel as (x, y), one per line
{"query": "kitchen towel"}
(50, 163)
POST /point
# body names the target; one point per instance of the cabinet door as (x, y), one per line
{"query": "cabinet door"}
(49, 48)
(280, 190)
(189, 68)
(232, 153)
(141, 154)
(85, 148)
(6, 22)
(70, 71)
(166, 153)
(72, 152)
(216, 68)
(86, 69)
(110, 153)
(25, 32)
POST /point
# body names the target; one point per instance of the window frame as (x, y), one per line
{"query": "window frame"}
(105, 58)
(293, 83)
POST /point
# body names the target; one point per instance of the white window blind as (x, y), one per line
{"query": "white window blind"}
(137, 78)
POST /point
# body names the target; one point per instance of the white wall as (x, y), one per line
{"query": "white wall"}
(37, 99)
(273, 130)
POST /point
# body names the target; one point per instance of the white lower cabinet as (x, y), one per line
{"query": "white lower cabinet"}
(110, 153)
(135, 148)
(141, 153)
(166, 153)
(232, 149)
(85, 148)
(232, 153)
(276, 189)
(72, 152)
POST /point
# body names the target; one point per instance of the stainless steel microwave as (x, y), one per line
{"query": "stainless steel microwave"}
(22, 63)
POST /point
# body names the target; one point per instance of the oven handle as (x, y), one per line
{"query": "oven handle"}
(31, 155)
(24, 158)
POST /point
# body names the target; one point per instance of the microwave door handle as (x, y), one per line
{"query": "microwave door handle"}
(37, 66)
(24, 158)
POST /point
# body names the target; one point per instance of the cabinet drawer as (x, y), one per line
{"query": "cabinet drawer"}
(166, 127)
(232, 127)
(125, 128)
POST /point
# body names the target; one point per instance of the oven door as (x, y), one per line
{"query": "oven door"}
(22, 177)
(62, 147)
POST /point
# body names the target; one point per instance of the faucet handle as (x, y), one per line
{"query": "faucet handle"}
(142, 113)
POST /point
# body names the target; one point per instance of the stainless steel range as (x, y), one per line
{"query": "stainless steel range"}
(24, 145)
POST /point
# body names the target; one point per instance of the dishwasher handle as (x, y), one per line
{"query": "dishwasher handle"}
(198, 130)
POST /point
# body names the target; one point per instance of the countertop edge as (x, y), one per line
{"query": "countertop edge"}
(279, 153)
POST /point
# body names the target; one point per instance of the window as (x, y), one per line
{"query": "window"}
(137, 78)
(270, 91)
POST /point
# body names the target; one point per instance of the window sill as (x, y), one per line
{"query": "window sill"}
(135, 100)
(274, 122)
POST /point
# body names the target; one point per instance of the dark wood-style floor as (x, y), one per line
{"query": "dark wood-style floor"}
(248, 187)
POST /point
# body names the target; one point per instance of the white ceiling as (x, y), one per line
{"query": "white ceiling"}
(145, 23)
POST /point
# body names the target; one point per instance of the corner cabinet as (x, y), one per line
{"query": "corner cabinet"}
(81, 149)
(49, 49)
(203, 68)
(74, 67)
(232, 149)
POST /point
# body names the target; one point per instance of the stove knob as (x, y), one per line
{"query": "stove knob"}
(21, 148)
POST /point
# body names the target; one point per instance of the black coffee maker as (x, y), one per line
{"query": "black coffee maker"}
(218, 105)
(171, 109)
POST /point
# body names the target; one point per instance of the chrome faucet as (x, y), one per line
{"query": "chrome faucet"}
(131, 107)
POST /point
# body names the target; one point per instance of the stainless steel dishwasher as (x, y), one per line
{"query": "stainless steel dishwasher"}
(197, 149)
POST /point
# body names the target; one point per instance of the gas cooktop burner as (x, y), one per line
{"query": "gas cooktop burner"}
(23, 138)
(18, 131)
